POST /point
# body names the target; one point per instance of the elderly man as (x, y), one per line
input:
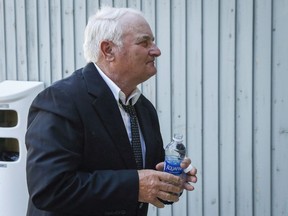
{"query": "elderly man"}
(94, 142)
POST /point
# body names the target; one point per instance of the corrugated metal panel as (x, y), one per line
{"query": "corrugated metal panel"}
(222, 81)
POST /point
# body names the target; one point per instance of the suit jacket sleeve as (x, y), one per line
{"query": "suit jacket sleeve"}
(58, 175)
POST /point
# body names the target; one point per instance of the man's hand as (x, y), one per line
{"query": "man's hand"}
(154, 184)
(190, 176)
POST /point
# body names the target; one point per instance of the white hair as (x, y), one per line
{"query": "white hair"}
(104, 26)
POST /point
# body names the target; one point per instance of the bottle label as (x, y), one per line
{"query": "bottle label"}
(173, 168)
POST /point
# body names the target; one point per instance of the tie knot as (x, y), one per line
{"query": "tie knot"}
(128, 109)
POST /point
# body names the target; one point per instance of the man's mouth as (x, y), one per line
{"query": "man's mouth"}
(152, 61)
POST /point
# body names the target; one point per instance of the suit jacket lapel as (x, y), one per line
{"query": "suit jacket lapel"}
(107, 109)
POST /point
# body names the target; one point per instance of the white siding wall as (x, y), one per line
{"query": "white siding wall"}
(222, 80)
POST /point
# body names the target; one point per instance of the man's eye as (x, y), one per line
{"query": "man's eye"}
(144, 43)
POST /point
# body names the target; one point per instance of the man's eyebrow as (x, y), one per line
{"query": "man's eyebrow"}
(144, 38)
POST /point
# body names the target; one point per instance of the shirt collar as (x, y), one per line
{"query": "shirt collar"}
(118, 94)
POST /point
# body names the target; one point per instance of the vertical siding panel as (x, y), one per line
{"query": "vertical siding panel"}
(262, 108)
(280, 108)
(56, 40)
(44, 41)
(194, 101)
(227, 107)
(163, 103)
(68, 46)
(244, 171)
(149, 86)
(32, 40)
(210, 107)
(120, 3)
(80, 23)
(163, 38)
(178, 23)
(134, 3)
(2, 43)
(10, 30)
(21, 40)
(178, 40)
(92, 7)
(106, 2)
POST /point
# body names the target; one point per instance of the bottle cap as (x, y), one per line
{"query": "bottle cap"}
(188, 169)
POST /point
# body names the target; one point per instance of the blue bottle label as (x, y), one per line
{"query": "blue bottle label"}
(173, 168)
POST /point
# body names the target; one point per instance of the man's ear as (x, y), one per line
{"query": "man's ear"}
(107, 50)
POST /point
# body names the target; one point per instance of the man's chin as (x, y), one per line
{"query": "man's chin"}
(152, 73)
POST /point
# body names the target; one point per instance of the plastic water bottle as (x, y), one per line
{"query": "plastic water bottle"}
(175, 152)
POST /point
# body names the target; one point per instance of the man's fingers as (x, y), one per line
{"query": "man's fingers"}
(185, 163)
(190, 178)
(171, 197)
(193, 172)
(188, 186)
(187, 167)
(169, 187)
(160, 166)
(157, 203)
(155, 184)
(169, 178)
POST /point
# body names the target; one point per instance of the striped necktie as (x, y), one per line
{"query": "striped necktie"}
(136, 144)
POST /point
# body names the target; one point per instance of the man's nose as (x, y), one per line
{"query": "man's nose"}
(154, 51)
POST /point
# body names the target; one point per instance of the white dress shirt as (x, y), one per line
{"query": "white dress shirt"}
(119, 95)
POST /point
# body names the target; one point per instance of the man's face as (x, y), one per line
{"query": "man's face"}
(136, 59)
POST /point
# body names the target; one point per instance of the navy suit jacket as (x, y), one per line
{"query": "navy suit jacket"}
(79, 158)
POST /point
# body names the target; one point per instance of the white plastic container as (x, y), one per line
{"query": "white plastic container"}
(15, 100)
